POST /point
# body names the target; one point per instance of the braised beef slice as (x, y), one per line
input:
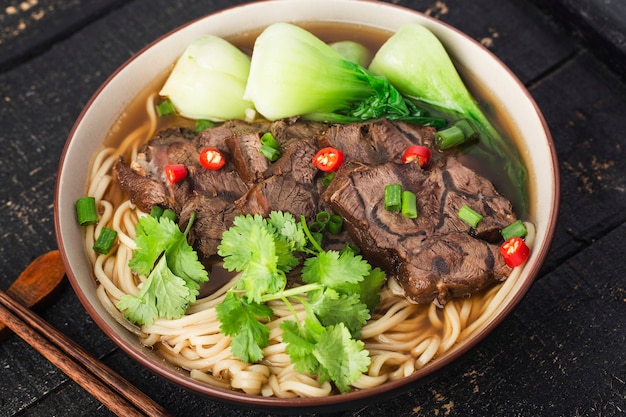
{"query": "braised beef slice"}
(214, 215)
(376, 142)
(142, 191)
(250, 164)
(287, 130)
(279, 192)
(402, 246)
(353, 141)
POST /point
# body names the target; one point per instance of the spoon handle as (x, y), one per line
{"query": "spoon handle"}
(120, 396)
(32, 289)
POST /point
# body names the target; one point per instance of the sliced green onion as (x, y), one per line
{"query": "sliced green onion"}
(335, 224)
(269, 152)
(460, 132)
(409, 204)
(322, 216)
(328, 178)
(86, 212)
(156, 211)
(393, 197)
(105, 241)
(470, 216)
(515, 229)
(317, 227)
(268, 139)
(203, 124)
(165, 108)
(169, 214)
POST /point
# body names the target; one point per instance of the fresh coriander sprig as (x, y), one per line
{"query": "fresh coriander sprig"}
(172, 268)
(340, 290)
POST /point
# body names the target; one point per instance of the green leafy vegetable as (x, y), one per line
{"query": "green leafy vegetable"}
(172, 268)
(329, 352)
(417, 64)
(240, 318)
(353, 51)
(293, 73)
(263, 250)
(208, 81)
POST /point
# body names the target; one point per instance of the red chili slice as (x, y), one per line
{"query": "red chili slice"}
(515, 251)
(212, 158)
(328, 159)
(175, 172)
(421, 153)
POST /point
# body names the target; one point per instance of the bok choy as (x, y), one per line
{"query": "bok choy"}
(418, 65)
(208, 81)
(294, 73)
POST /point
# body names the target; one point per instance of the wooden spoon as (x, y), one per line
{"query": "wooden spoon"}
(34, 289)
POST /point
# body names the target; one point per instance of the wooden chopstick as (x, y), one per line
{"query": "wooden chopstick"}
(119, 395)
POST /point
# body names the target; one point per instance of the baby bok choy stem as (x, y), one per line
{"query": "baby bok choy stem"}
(208, 81)
(294, 73)
(418, 65)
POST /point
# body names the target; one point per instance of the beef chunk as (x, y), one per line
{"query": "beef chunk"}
(250, 164)
(144, 192)
(376, 142)
(287, 130)
(434, 256)
(279, 192)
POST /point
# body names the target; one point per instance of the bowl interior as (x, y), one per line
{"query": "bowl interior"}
(108, 103)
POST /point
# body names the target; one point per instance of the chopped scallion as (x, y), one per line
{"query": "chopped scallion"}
(270, 153)
(322, 216)
(328, 178)
(409, 204)
(460, 132)
(393, 197)
(165, 108)
(335, 224)
(86, 212)
(515, 229)
(469, 216)
(268, 139)
(105, 241)
(203, 124)
(317, 227)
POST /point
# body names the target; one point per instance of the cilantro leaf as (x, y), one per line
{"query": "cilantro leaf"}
(239, 319)
(154, 236)
(172, 269)
(288, 229)
(163, 294)
(256, 247)
(335, 270)
(235, 247)
(332, 308)
(301, 342)
(369, 288)
(342, 359)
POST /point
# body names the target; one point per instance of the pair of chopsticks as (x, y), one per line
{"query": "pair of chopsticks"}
(119, 395)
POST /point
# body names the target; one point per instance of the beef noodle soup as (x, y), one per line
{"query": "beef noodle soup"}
(401, 337)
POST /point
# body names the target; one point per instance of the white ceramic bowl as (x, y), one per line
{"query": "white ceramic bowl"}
(109, 101)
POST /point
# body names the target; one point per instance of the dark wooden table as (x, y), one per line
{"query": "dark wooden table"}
(563, 350)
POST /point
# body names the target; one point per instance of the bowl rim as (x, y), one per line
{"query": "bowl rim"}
(333, 402)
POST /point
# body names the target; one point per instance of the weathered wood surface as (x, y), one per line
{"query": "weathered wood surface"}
(561, 353)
